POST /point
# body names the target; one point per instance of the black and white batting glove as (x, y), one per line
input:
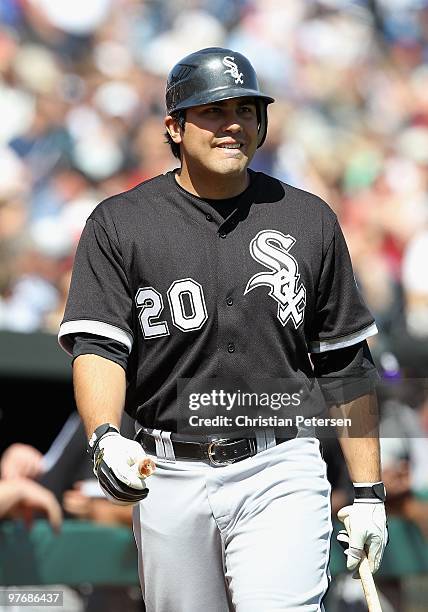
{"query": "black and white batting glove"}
(117, 463)
(366, 529)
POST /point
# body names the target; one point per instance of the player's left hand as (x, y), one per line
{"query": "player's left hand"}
(366, 530)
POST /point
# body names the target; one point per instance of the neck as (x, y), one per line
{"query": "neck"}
(220, 188)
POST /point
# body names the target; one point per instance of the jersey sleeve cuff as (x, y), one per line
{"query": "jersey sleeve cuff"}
(320, 346)
(96, 328)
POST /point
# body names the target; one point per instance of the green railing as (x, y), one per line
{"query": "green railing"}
(84, 552)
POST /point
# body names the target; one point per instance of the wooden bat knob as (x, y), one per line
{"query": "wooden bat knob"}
(146, 467)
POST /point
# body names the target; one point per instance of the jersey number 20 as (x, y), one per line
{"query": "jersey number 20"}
(186, 303)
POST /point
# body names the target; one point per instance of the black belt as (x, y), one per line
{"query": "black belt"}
(218, 451)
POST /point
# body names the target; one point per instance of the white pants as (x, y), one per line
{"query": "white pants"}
(249, 537)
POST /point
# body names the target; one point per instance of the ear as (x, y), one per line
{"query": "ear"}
(173, 128)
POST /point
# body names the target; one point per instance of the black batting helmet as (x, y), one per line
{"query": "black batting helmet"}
(212, 75)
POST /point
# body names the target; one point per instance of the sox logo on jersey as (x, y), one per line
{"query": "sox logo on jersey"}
(271, 249)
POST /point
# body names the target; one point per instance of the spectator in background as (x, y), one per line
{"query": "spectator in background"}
(37, 484)
(21, 498)
(21, 461)
(415, 285)
(66, 471)
(404, 449)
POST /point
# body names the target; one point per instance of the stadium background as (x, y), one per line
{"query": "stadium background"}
(81, 107)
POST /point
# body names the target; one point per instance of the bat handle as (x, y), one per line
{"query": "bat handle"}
(369, 587)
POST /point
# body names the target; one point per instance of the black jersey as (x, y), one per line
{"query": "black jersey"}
(194, 295)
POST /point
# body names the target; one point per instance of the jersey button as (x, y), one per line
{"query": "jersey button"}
(231, 347)
(223, 234)
(208, 217)
(229, 301)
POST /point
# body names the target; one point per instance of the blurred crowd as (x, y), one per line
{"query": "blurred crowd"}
(82, 102)
(81, 105)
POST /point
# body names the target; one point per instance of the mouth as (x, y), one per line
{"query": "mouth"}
(230, 145)
(232, 150)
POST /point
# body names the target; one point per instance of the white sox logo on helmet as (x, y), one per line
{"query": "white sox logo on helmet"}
(271, 249)
(233, 69)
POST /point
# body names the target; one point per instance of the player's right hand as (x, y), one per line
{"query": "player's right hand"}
(117, 462)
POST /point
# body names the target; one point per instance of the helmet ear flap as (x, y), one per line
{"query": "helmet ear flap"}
(262, 121)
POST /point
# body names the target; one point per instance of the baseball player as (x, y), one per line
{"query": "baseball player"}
(214, 271)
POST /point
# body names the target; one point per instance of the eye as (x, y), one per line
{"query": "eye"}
(212, 110)
(247, 110)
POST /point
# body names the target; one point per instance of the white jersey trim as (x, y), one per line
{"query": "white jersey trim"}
(320, 346)
(92, 327)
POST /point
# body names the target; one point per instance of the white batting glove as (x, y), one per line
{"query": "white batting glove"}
(366, 532)
(121, 466)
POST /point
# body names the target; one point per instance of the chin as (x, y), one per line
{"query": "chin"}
(232, 167)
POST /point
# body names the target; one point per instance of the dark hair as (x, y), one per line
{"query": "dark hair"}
(179, 116)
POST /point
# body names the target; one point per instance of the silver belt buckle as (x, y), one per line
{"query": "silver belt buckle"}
(211, 453)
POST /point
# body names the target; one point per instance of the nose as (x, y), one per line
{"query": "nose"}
(232, 123)
(233, 128)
